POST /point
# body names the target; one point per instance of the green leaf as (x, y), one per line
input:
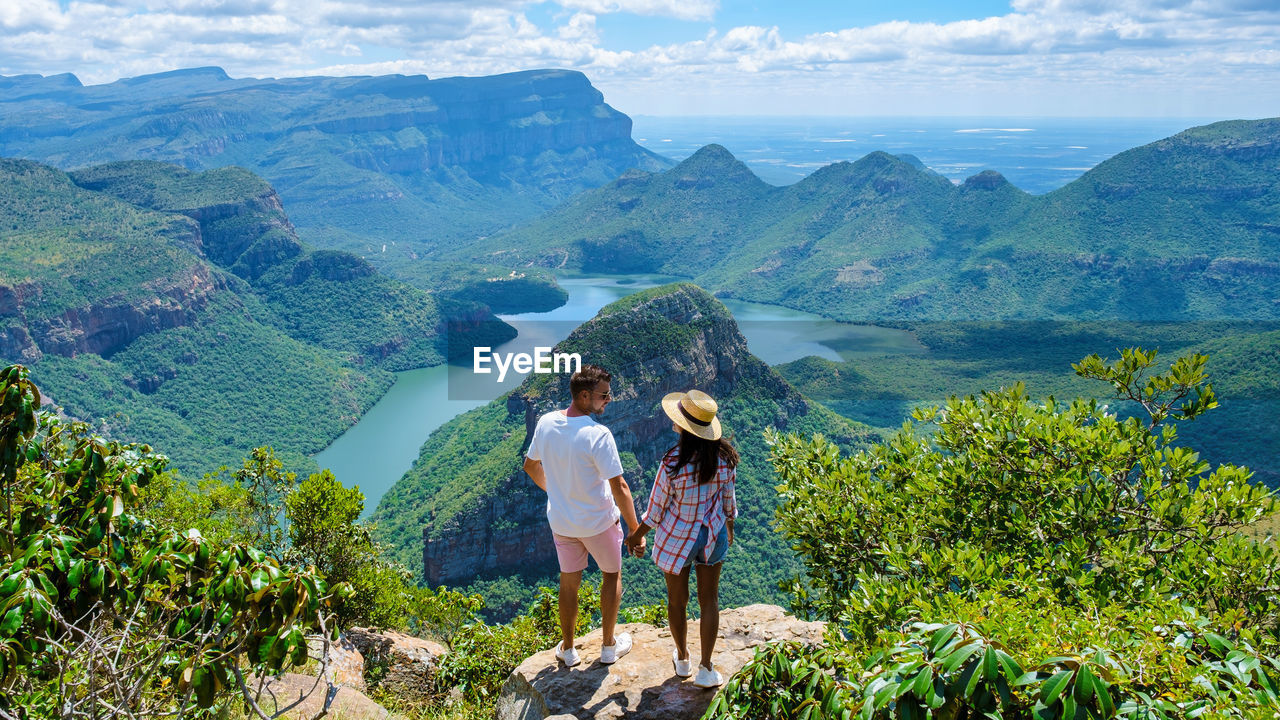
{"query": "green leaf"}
(1083, 689)
(1054, 686)
(259, 579)
(11, 622)
(202, 679)
(968, 680)
(1105, 702)
(958, 656)
(1068, 706)
(990, 664)
(924, 681)
(75, 572)
(1219, 643)
(937, 698)
(1012, 670)
(885, 694)
(940, 637)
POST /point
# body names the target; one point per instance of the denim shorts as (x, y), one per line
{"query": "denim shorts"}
(717, 552)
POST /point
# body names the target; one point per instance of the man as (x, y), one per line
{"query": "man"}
(575, 460)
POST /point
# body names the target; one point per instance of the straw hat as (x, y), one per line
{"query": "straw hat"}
(694, 411)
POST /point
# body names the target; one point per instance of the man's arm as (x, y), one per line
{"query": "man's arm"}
(622, 498)
(534, 469)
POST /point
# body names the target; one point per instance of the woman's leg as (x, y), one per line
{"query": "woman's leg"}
(709, 606)
(677, 602)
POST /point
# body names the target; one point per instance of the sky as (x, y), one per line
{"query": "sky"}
(1068, 58)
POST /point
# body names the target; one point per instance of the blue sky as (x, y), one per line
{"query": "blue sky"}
(1176, 58)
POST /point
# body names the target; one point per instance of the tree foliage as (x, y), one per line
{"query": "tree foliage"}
(1028, 560)
(101, 611)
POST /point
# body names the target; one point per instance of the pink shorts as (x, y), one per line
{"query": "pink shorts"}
(606, 548)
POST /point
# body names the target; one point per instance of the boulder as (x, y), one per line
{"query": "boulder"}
(410, 662)
(348, 703)
(346, 663)
(642, 685)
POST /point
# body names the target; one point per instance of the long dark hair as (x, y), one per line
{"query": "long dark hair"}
(705, 455)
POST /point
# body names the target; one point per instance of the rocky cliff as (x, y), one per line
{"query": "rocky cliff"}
(390, 158)
(478, 514)
(109, 324)
(333, 298)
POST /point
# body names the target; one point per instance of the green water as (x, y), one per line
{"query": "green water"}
(375, 452)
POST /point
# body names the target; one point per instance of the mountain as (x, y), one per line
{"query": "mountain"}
(466, 509)
(1181, 229)
(388, 167)
(183, 310)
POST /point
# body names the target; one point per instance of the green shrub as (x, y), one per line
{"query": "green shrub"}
(102, 612)
(1027, 560)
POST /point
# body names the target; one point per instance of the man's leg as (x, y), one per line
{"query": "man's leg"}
(610, 600)
(569, 583)
(606, 548)
(572, 555)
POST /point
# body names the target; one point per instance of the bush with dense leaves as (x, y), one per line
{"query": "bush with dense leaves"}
(1028, 560)
(103, 613)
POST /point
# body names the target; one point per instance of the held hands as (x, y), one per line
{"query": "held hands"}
(635, 545)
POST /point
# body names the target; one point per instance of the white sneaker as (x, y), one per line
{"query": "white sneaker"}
(708, 677)
(609, 654)
(684, 668)
(568, 657)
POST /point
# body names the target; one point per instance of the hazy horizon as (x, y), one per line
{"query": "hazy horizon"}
(1059, 58)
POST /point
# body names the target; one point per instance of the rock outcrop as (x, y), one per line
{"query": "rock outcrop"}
(108, 325)
(408, 663)
(347, 703)
(345, 665)
(642, 685)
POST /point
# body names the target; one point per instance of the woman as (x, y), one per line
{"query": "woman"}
(691, 508)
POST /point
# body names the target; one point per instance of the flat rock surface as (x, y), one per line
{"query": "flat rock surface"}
(642, 685)
(348, 703)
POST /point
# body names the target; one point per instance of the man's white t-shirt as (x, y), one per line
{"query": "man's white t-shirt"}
(578, 456)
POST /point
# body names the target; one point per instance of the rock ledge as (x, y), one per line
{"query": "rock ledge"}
(642, 685)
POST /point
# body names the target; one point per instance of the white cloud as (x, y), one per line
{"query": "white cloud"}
(679, 9)
(30, 15)
(1064, 54)
(580, 28)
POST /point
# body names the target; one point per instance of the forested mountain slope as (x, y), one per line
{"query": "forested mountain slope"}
(182, 310)
(411, 162)
(1186, 228)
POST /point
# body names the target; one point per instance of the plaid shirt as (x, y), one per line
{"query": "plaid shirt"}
(679, 506)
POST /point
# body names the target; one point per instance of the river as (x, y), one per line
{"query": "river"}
(375, 452)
